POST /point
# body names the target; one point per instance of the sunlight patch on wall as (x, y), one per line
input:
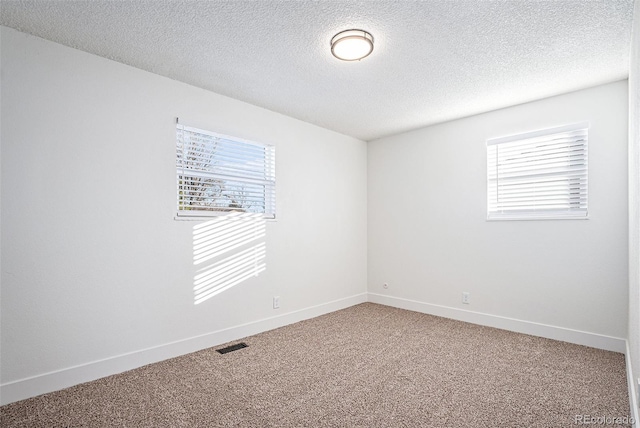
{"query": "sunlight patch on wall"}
(232, 249)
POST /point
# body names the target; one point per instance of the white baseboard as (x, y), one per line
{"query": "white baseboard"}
(593, 340)
(632, 384)
(53, 381)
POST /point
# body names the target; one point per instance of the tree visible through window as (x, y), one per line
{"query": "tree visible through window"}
(220, 174)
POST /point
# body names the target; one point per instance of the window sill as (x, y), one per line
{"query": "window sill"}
(212, 217)
(536, 218)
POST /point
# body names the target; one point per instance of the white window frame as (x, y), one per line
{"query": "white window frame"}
(539, 175)
(256, 180)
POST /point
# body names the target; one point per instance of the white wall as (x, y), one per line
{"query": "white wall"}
(94, 265)
(429, 240)
(95, 269)
(634, 202)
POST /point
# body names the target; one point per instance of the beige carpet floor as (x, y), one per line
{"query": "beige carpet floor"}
(365, 366)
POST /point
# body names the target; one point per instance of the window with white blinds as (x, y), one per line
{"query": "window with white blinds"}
(538, 175)
(219, 174)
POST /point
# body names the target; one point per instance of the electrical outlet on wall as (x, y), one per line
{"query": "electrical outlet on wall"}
(466, 297)
(276, 302)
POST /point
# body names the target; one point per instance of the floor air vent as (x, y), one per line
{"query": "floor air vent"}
(232, 348)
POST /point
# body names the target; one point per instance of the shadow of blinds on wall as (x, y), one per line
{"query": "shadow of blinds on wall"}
(227, 250)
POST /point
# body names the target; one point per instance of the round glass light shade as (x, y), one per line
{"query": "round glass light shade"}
(352, 45)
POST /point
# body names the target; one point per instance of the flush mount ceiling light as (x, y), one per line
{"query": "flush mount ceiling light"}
(352, 45)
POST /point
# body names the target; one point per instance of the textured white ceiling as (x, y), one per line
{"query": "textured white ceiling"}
(433, 60)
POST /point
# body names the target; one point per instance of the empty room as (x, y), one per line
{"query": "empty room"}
(319, 213)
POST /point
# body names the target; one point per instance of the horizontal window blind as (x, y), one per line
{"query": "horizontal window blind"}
(218, 174)
(538, 175)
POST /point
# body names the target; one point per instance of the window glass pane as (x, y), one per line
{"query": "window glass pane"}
(218, 174)
(538, 175)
